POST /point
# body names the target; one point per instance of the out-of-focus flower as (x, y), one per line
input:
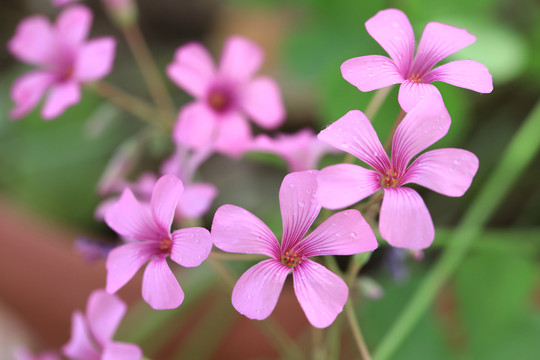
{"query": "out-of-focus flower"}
(321, 293)
(25, 354)
(224, 96)
(393, 31)
(151, 240)
(404, 219)
(123, 12)
(301, 150)
(92, 333)
(64, 61)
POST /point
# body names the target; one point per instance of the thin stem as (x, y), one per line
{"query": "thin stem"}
(236, 257)
(357, 333)
(317, 336)
(518, 155)
(388, 142)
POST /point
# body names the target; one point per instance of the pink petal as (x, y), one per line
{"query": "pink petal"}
(237, 230)
(160, 289)
(439, 41)
(422, 127)
(27, 92)
(129, 219)
(261, 100)
(234, 135)
(299, 205)
(124, 261)
(321, 293)
(371, 72)
(121, 351)
(80, 345)
(61, 97)
(343, 185)
(104, 313)
(404, 220)
(191, 246)
(468, 74)
(412, 93)
(256, 293)
(34, 41)
(344, 233)
(192, 69)
(196, 200)
(241, 57)
(353, 133)
(95, 59)
(446, 171)
(196, 126)
(164, 200)
(73, 25)
(393, 31)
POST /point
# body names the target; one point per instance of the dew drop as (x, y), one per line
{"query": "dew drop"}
(354, 235)
(457, 162)
(249, 297)
(301, 203)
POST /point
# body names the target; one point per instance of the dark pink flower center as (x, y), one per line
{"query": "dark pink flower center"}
(219, 100)
(390, 180)
(165, 245)
(291, 258)
(415, 78)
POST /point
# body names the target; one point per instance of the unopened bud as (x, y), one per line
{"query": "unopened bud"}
(123, 12)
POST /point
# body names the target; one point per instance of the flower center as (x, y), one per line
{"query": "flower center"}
(165, 245)
(290, 258)
(415, 78)
(218, 100)
(390, 180)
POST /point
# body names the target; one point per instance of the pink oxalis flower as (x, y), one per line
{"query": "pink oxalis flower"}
(393, 31)
(92, 333)
(404, 219)
(224, 96)
(148, 228)
(321, 293)
(65, 60)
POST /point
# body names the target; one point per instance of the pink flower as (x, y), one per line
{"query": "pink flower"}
(224, 96)
(151, 240)
(64, 60)
(92, 333)
(404, 219)
(392, 30)
(321, 293)
(301, 150)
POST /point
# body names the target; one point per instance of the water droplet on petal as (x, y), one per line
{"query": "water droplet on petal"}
(354, 235)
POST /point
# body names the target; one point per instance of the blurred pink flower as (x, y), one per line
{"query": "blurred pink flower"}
(224, 96)
(148, 228)
(65, 60)
(301, 150)
(25, 354)
(393, 31)
(92, 333)
(404, 219)
(321, 293)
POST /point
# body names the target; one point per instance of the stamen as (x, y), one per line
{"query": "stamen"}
(290, 258)
(165, 245)
(415, 78)
(390, 180)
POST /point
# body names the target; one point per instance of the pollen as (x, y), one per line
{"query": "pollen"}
(390, 180)
(218, 100)
(415, 78)
(290, 258)
(165, 245)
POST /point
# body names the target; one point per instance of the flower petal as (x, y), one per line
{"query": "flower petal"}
(422, 127)
(27, 92)
(393, 31)
(321, 293)
(412, 93)
(237, 230)
(121, 351)
(160, 289)
(468, 74)
(371, 72)
(344, 233)
(345, 184)
(165, 197)
(439, 41)
(299, 205)
(94, 59)
(234, 135)
(124, 261)
(261, 100)
(130, 219)
(61, 97)
(256, 293)
(446, 171)
(353, 133)
(196, 126)
(240, 58)
(196, 200)
(80, 345)
(104, 313)
(34, 41)
(404, 220)
(73, 25)
(192, 69)
(191, 246)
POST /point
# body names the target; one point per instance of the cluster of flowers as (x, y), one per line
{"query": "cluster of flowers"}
(216, 122)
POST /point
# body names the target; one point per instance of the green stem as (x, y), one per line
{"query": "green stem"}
(518, 155)
(390, 137)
